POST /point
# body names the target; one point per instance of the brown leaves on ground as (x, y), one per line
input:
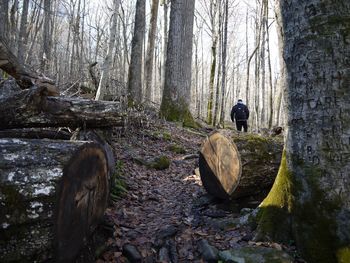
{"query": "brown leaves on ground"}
(166, 208)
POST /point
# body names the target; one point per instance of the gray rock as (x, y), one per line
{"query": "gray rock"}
(131, 253)
(226, 256)
(208, 252)
(164, 254)
(255, 254)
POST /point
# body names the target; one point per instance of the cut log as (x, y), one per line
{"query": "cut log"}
(52, 195)
(24, 76)
(33, 108)
(219, 165)
(260, 158)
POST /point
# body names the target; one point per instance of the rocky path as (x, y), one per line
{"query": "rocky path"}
(166, 216)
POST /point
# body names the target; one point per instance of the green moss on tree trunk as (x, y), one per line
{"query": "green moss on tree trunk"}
(178, 112)
(274, 215)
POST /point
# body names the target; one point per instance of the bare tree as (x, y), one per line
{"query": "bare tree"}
(135, 68)
(177, 89)
(101, 91)
(22, 41)
(150, 50)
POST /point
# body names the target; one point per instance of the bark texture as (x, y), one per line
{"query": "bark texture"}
(135, 68)
(177, 89)
(312, 187)
(52, 195)
(33, 108)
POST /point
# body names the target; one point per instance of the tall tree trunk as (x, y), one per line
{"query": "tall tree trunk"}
(165, 41)
(46, 49)
(177, 90)
(224, 55)
(135, 68)
(22, 42)
(4, 19)
(150, 50)
(101, 91)
(311, 193)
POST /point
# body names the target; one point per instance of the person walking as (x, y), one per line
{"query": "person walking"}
(240, 114)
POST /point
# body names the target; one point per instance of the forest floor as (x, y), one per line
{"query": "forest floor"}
(166, 215)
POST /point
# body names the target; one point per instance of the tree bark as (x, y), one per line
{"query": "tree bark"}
(311, 193)
(32, 108)
(35, 133)
(150, 50)
(23, 36)
(177, 90)
(53, 194)
(135, 68)
(241, 166)
(101, 91)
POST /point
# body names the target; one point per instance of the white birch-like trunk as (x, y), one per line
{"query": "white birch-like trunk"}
(101, 91)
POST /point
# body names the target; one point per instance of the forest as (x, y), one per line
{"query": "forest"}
(121, 131)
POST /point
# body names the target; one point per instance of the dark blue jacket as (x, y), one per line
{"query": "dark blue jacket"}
(239, 112)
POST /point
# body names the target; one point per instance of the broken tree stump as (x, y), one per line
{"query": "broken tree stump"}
(260, 159)
(52, 195)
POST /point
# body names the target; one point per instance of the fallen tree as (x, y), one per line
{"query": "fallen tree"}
(25, 77)
(34, 108)
(242, 166)
(52, 195)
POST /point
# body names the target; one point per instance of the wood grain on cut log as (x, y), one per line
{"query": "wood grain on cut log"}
(33, 108)
(219, 165)
(52, 195)
(260, 158)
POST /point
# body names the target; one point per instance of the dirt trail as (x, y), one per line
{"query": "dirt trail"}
(166, 215)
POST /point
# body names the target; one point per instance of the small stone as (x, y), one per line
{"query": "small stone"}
(226, 256)
(209, 253)
(164, 255)
(131, 253)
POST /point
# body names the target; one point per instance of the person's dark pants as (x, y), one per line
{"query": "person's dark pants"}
(240, 124)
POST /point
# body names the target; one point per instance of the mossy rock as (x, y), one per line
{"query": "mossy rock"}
(254, 255)
(160, 163)
(177, 149)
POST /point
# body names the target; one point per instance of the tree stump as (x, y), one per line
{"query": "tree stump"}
(52, 195)
(244, 166)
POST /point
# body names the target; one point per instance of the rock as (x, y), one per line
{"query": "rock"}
(164, 255)
(208, 252)
(255, 254)
(165, 233)
(172, 250)
(226, 256)
(131, 253)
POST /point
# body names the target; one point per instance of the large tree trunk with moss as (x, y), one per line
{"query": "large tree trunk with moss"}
(311, 191)
(177, 90)
(52, 195)
(242, 166)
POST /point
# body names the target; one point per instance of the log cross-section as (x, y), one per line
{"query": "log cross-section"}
(52, 195)
(219, 165)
